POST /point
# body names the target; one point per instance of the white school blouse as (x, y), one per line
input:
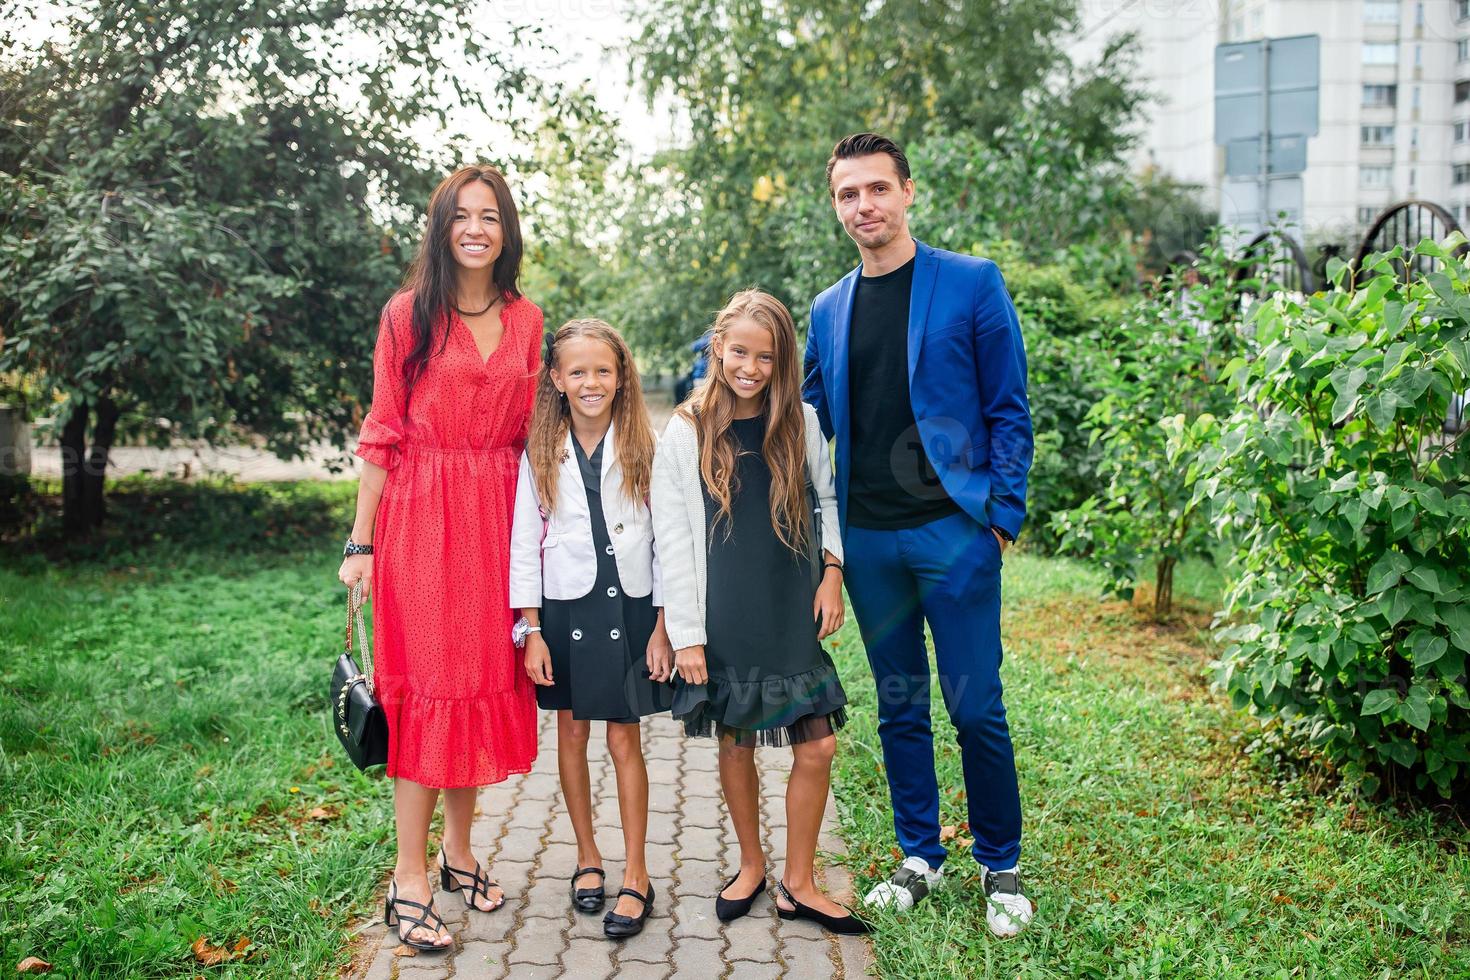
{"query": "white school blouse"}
(564, 566)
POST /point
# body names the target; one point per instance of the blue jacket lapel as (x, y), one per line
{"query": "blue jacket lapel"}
(926, 271)
(841, 331)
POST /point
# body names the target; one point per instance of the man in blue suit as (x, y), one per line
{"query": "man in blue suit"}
(915, 364)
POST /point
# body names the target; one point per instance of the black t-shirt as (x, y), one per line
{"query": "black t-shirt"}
(891, 484)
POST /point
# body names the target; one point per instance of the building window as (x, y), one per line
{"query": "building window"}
(1380, 11)
(1377, 176)
(1413, 179)
(1464, 9)
(1462, 92)
(1461, 173)
(1378, 136)
(1375, 53)
(1375, 96)
(1462, 49)
(1366, 215)
(1416, 96)
(1414, 137)
(1462, 131)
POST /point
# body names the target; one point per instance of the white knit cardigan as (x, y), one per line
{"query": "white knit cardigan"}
(677, 501)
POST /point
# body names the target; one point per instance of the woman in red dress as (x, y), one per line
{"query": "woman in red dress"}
(453, 377)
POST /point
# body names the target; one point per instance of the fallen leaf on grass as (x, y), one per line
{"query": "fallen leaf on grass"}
(947, 833)
(405, 951)
(323, 814)
(1283, 900)
(211, 955)
(966, 842)
(33, 964)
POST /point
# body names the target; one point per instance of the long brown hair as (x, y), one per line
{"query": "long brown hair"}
(711, 409)
(433, 275)
(551, 416)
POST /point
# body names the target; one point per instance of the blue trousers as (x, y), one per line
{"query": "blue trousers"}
(948, 573)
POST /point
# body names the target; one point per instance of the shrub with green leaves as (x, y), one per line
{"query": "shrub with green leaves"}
(1158, 378)
(1348, 623)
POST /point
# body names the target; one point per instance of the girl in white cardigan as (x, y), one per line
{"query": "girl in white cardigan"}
(585, 578)
(742, 494)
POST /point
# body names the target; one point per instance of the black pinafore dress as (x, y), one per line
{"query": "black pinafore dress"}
(599, 642)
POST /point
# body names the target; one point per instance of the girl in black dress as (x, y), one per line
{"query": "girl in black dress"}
(584, 577)
(742, 493)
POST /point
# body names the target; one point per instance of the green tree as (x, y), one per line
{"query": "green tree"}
(766, 88)
(1160, 392)
(204, 206)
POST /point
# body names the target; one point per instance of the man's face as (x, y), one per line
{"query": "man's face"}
(871, 200)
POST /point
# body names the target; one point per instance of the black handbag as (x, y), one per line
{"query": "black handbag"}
(357, 717)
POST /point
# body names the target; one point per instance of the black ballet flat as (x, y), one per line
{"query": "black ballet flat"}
(588, 899)
(730, 909)
(847, 925)
(616, 926)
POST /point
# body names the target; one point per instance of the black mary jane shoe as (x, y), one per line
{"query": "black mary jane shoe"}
(730, 909)
(616, 926)
(588, 899)
(427, 919)
(451, 880)
(846, 925)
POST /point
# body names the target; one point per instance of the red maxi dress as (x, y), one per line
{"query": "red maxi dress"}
(460, 710)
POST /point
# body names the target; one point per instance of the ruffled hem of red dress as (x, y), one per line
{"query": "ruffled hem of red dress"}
(448, 743)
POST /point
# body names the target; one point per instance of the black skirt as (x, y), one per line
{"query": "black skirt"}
(599, 642)
(770, 681)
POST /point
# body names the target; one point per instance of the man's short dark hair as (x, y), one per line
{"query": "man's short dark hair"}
(866, 144)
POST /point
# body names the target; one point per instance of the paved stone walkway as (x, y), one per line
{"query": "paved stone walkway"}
(524, 835)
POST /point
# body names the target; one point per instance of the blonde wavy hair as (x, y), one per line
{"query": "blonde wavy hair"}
(711, 408)
(551, 416)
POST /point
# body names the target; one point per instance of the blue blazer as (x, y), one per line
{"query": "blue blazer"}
(967, 382)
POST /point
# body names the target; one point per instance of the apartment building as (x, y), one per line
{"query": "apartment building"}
(1394, 96)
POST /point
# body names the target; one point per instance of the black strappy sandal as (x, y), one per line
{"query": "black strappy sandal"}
(589, 899)
(392, 916)
(846, 925)
(616, 926)
(449, 880)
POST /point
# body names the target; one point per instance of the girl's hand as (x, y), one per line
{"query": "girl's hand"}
(538, 660)
(690, 663)
(357, 568)
(827, 607)
(660, 654)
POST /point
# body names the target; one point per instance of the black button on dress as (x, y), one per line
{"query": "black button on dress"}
(599, 642)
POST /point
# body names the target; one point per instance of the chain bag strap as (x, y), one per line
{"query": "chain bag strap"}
(357, 717)
(354, 614)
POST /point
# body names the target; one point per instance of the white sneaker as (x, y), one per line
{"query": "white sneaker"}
(913, 880)
(1007, 909)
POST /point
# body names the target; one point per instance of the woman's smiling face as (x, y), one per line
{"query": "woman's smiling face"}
(476, 235)
(746, 352)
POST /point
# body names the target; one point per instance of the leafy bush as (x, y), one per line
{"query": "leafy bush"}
(1160, 390)
(1061, 320)
(164, 515)
(1349, 624)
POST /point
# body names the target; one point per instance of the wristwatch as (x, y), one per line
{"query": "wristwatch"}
(351, 549)
(521, 630)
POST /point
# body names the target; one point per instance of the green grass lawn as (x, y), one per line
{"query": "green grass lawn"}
(1154, 844)
(168, 769)
(169, 774)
